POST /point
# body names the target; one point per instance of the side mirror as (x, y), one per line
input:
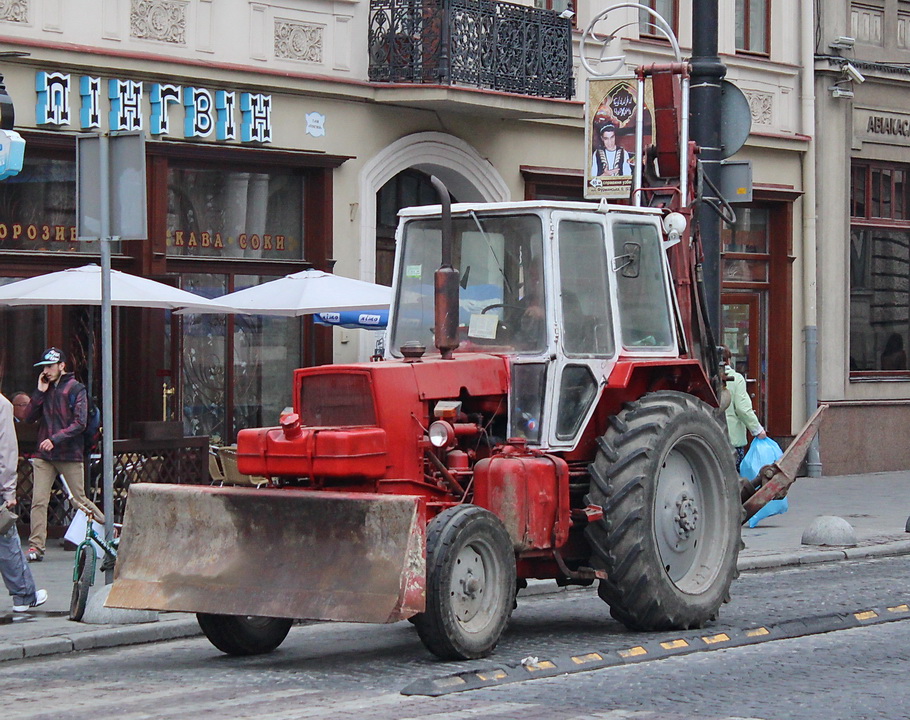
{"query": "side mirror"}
(629, 263)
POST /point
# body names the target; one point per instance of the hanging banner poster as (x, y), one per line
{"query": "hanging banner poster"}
(610, 117)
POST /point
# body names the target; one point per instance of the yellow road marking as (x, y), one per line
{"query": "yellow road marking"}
(495, 675)
(899, 608)
(454, 680)
(867, 615)
(542, 665)
(673, 644)
(719, 638)
(590, 657)
(758, 632)
(633, 652)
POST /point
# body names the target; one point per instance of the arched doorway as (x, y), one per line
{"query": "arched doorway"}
(466, 173)
(408, 188)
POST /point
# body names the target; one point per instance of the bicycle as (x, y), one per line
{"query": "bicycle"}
(84, 568)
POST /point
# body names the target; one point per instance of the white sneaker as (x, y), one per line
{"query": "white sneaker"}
(40, 599)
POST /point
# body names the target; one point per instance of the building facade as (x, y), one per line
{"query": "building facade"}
(863, 113)
(283, 135)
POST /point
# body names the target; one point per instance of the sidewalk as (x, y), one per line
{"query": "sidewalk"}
(876, 505)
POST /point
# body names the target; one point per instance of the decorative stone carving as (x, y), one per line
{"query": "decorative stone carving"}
(761, 105)
(299, 41)
(162, 20)
(14, 11)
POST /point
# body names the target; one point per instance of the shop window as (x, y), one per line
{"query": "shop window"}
(219, 212)
(879, 266)
(667, 9)
(221, 397)
(38, 206)
(753, 20)
(22, 338)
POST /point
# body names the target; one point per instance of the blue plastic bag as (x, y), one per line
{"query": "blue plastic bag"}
(773, 507)
(762, 451)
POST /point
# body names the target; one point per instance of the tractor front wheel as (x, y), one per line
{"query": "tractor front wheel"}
(470, 583)
(670, 534)
(244, 635)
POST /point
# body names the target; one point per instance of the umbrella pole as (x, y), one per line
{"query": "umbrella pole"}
(107, 384)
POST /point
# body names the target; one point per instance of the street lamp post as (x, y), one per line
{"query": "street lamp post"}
(704, 117)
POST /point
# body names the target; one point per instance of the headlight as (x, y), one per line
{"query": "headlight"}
(442, 434)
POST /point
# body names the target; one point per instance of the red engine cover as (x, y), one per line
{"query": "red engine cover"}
(530, 494)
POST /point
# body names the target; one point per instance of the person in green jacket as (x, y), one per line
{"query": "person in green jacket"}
(740, 415)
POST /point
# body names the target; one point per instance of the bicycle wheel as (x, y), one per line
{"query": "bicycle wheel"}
(85, 576)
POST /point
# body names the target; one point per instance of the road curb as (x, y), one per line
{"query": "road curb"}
(809, 557)
(173, 629)
(101, 638)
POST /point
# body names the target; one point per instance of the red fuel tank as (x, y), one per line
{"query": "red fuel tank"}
(313, 452)
(529, 493)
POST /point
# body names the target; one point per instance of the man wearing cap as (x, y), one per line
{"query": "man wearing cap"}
(60, 405)
(610, 159)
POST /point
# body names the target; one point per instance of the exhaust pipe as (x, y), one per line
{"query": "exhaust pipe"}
(446, 281)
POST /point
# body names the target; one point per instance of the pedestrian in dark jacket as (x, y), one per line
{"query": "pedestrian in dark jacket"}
(60, 405)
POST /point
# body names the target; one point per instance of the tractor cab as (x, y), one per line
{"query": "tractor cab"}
(561, 289)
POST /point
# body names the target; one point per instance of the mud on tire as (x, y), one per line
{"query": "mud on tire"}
(670, 534)
(470, 583)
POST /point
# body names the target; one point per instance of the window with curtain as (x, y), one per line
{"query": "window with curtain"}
(236, 370)
(667, 9)
(752, 26)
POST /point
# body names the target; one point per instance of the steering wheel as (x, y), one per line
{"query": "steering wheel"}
(504, 306)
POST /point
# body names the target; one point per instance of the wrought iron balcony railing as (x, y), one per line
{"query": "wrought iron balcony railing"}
(477, 43)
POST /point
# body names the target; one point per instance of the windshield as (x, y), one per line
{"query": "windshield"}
(501, 298)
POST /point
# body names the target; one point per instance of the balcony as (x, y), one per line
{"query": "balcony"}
(471, 43)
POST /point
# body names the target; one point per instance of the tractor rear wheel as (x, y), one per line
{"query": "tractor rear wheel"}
(470, 583)
(670, 534)
(244, 635)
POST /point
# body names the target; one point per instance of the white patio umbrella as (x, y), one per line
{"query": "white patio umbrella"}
(82, 286)
(305, 293)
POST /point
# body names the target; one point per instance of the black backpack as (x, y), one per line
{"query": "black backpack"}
(90, 435)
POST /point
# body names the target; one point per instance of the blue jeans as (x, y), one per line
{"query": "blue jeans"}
(17, 576)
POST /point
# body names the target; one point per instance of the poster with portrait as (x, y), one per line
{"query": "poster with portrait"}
(610, 116)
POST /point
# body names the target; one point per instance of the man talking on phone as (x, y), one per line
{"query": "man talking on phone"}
(60, 405)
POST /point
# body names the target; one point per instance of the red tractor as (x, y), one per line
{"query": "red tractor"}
(547, 410)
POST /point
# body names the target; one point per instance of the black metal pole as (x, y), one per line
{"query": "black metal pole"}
(7, 112)
(704, 124)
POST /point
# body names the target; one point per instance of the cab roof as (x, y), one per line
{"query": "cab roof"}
(526, 205)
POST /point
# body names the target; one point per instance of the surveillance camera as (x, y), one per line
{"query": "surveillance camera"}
(567, 14)
(851, 72)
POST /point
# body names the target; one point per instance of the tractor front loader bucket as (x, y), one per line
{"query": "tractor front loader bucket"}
(777, 477)
(272, 553)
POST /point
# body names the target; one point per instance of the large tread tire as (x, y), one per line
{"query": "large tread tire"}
(85, 578)
(470, 583)
(241, 635)
(670, 536)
